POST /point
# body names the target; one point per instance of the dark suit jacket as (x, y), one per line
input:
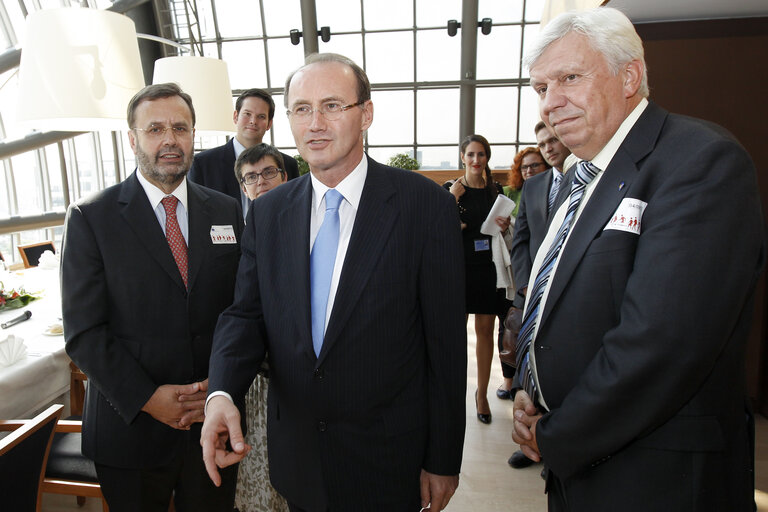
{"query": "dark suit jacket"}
(641, 345)
(130, 323)
(215, 168)
(530, 226)
(352, 429)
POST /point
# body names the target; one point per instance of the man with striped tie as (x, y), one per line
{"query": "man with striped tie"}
(633, 339)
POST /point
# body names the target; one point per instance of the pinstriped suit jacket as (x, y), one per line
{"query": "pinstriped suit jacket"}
(352, 428)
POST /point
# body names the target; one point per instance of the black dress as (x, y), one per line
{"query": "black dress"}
(482, 296)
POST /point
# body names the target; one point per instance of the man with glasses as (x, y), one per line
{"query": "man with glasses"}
(351, 284)
(253, 116)
(147, 267)
(536, 202)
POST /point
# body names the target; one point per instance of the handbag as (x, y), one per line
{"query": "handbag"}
(512, 323)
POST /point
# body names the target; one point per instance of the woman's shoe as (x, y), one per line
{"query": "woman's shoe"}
(484, 418)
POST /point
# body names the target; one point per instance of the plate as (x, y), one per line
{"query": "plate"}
(54, 330)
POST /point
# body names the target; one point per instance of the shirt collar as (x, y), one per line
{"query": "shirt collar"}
(239, 148)
(351, 187)
(155, 195)
(604, 157)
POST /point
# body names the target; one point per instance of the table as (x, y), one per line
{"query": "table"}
(42, 376)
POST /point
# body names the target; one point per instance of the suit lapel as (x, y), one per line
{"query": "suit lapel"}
(228, 165)
(611, 189)
(293, 246)
(199, 216)
(138, 214)
(373, 223)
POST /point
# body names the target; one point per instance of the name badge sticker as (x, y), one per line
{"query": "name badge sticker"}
(482, 245)
(223, 235)
(628, 216)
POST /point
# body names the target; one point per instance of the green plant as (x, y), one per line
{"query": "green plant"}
(303, 165)
(404, 161)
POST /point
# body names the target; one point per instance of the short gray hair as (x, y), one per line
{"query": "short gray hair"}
(363, 85)
(608, 31)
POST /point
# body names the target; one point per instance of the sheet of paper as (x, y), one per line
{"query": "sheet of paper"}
(501, 208)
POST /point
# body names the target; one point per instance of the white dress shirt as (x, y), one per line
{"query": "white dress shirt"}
(155, 196)
(244, 201)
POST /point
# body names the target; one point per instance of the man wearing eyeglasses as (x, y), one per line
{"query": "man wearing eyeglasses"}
(536, 200)
(253, 116)
(351, 284)
(147, 266)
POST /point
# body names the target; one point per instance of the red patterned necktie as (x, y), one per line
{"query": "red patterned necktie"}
(174, 236)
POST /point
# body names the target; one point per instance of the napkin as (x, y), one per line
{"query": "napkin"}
(12, 350)
(502, 207)
(48, 260)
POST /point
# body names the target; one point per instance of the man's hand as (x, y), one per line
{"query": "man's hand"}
(437, 490)
(526, 417)
(177, 406)
(222, 423)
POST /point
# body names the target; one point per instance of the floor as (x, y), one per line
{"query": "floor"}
(487, 482)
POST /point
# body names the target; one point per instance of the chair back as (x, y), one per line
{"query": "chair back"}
(23, 458)
(30, 254)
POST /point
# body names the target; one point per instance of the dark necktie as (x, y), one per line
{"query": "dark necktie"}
(173, 235)
(585, 173)
(321, 262)
(554, 189)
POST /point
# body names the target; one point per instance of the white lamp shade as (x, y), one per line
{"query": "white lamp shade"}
(207, 81)
(79, 69)
(553, 8)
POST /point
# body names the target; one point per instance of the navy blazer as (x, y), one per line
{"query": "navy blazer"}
(352, 428)
(129, 322)
(641, 345)
(215, 168)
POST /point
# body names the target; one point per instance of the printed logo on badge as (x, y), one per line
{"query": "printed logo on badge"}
(482, 245)
(223, 235)
(628, 216)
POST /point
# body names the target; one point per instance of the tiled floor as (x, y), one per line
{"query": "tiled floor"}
(487, 482)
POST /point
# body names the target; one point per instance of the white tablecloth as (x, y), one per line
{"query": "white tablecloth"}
(43, 375)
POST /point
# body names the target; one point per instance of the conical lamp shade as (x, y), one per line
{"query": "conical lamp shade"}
(207, 81)
(79, 69)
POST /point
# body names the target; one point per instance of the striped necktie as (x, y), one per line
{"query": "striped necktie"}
(585, 173)
(557, 176)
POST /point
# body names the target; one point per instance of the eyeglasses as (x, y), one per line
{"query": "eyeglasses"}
(253, 177)
(531, 167)
(158, 132)
(330, 110)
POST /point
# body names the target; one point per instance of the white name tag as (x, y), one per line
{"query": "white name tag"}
(628, 216)
(223, 235)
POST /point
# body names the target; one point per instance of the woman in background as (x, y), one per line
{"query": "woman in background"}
(258, 169)
(475, 193)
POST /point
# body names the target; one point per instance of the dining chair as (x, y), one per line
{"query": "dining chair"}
(30, 253)
(23, 456)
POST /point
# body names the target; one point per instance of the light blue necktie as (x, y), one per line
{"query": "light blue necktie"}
(585, 173)
(554, 189)
(321, 262)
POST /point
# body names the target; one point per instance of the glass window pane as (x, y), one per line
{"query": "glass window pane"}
(86, 164)
(29, 189)
(205, 19)
(281, 16)
(245, 61)
(438, 116)
(533, 9)
(529, 37)
(239, 18)
(129, 158)
(446, 157)
(498, 53)
(340, 15)
(107, 159)
(8, 104)
(502, 157)
(284, 58)
(389, 57)
(17, 20)
(496, 113)
(391, 14)
(436, 13)
(438, 56)
(280, 127)
(392, 118)
(54, 176)
(501, 11)
(382, 155)
(350, 45)
(5, 198)
(529, 115)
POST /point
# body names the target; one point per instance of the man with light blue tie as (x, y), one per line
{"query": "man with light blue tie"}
(351, 284)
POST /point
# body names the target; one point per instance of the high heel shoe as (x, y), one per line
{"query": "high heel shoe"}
(484, 418)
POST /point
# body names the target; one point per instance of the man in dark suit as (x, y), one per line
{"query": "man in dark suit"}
(634, 334)
(215, 168)
(367, 392)
(531, 225)
(147, 266)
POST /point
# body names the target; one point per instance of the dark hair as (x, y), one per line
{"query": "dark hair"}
(489, 184)
(539, 126)
(517, 163)
(156, 92)
(256, 93)
(363, 85)
(256, 153)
